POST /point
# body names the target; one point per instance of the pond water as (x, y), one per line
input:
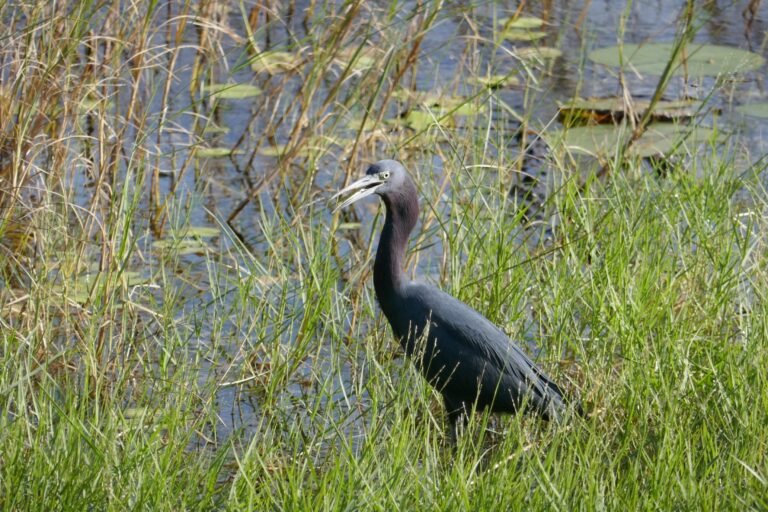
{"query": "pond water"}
(447, 54)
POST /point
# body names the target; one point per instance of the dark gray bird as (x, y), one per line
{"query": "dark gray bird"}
(461, 353)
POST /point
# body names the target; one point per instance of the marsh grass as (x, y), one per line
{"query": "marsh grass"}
(252, 370)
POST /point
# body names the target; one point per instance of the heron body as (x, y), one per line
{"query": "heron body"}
(462, 354)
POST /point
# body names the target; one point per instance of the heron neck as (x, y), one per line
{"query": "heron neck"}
(388, 275)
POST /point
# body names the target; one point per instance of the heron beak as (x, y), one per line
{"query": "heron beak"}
(365, 186)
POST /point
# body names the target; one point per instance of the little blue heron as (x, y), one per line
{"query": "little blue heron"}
(462, 354)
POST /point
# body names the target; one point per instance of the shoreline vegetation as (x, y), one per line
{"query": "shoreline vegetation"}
(186, 325)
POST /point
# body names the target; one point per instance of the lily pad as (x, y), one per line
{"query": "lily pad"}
(516, 34)
(90, 103)
(538, 53)
(278, 150)
(696, 60)
(364, 59)
(78, 293)
(181, 247)
(754, 109)
(214, 152)
(613, 109)
(352, 122)
(458, 105)
(420, 120)
(466, 109)
(134, 416)
(273, 150)
(134, 412)
(602, 140)
(233, 91)
(403, 94)
(430, 106)
(134, 278)
(276, 61)
(202, 231)
(213, 128)
(524, 22)
(497, 81)
(79, 288)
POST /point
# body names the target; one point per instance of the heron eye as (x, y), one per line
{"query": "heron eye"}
(385, 175)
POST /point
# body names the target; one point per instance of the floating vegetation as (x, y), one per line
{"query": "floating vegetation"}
(357, 59)
(420, 120)
(523, 35)
(90, 103)
(215, 152)
(694, 60)
(79, 288)
(523, 29)
(754, 109)
(188, 240)
(232, 91)
(613, 110)
(352, 122)
(602, 140)
(202, 231)
(274, 150)
(524, 23)
(458, 105)
(432, 107)
(183, 246)
(538, 53)
(213, 128)
(497, 81)
(276, 61)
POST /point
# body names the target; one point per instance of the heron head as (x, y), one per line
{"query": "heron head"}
(381, 178)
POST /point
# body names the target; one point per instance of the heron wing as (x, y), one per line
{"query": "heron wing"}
(469, 355)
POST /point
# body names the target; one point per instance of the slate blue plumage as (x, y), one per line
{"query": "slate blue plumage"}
(463, 354)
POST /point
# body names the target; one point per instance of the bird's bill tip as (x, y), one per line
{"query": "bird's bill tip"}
(363, 187)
